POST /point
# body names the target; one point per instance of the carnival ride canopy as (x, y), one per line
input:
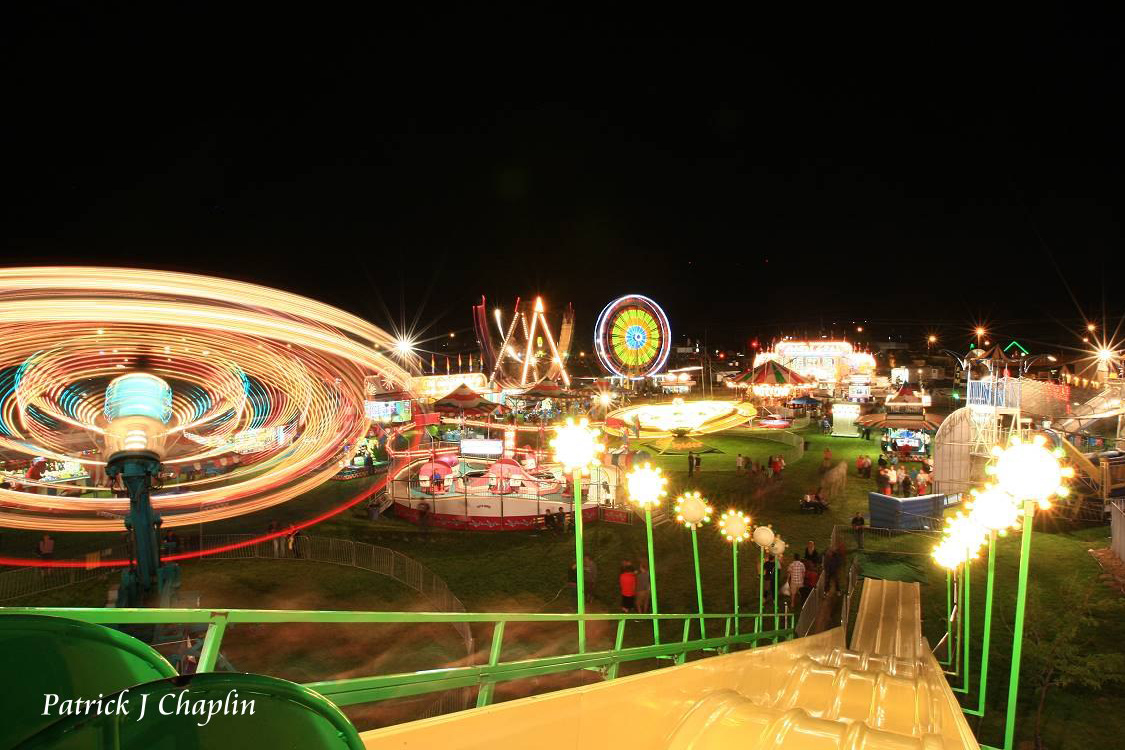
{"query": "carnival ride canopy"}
(882, 421)
(274, 377)
(770, 372)
(548, 389)
(464, 400)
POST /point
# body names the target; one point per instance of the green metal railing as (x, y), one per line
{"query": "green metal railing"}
(373, 688)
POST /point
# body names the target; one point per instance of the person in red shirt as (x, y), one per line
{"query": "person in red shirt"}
(628, 583)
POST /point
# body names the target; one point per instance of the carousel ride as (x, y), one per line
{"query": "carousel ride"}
(136, 380)
(677, 426)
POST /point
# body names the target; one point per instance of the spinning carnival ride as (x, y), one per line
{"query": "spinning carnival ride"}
(266, 382)
(527, 351)
(632, 337)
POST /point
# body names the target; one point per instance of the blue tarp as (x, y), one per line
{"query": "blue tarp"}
(889, 512)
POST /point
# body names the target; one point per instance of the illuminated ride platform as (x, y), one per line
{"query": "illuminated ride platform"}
(460, 492)
(679, 418)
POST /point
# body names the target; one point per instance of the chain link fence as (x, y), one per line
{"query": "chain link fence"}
(380, 560)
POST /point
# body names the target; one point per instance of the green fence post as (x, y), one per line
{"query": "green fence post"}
(698, 584)
(484, 695)
(776, 622)
(209, 653)
(967, 630)
(580, 576)
(761, 579)
(652, 575)
(617, 643)
(948, 614)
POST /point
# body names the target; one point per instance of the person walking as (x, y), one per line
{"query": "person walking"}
(858, 523)
(295, 542)
(811, 554)
(796, 578)
(698, 463)
(690, 463)
(46, 547)
(644, 592)
(627, 582)
(833, 559)
(572, 583)
(767, 573)
(738, 463)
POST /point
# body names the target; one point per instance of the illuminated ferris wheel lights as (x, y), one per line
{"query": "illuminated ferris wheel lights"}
(632, 337)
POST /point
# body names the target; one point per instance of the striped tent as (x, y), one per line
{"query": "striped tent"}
(464, 400)
(769, 373)
(884, 421)
(547, 389)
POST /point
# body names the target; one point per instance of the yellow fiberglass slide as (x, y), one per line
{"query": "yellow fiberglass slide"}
(885, 693)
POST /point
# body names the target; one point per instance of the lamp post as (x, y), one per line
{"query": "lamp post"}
(735, 526)
(778, 550)
(1027, 473)
(693, 511)
(576, 448)
(763, 537)
(1031, 474)
(645, 487)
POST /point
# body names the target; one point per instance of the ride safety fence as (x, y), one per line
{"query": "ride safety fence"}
(727, 632)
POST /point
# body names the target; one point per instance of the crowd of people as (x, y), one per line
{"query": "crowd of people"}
(636, 592)
(771, 468)
(804, 572)
(892, 477)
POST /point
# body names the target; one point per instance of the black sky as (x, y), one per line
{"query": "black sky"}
(913, 174)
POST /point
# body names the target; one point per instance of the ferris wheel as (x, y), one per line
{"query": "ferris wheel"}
(632, 337)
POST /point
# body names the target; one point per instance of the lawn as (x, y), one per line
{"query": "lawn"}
(527, 571)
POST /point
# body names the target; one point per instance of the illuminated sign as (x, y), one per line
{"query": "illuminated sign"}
(387, 411)
(843, 420)
(823, 361)
(440, 386)
(478, 447)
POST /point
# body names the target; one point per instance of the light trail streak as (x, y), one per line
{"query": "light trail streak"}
(238, 356)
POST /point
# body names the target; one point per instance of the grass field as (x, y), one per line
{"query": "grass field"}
(527, 571)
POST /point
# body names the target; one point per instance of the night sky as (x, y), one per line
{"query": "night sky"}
(783, 179)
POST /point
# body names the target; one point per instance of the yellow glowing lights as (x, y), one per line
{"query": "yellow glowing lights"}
(645, 485)
(692, 510)
(576, 445)
(1024, 472)
(778, 547)
(735, 526)
(993, 509)
(1029, 471)
(1105, 355)
(404, 347)
(763, 536)
(961, 542)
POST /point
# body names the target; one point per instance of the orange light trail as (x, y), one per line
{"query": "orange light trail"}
(247, 364)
